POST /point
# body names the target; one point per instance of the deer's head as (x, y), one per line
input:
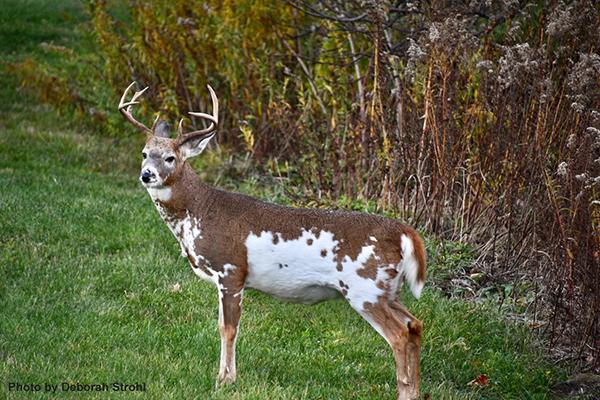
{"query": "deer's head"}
(163, 157)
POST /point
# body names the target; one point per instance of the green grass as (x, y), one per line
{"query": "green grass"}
(27, 23)
(87, 269)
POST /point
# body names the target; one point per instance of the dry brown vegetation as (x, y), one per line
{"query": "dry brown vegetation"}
(477, 121)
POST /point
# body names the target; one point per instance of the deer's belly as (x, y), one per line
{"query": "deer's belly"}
(299, 270)
(306, 294)
(290, 286)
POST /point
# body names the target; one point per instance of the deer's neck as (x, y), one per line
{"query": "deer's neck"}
(186, 195)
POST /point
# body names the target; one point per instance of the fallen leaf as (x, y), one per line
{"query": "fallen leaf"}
(481, 380)
(176, 288)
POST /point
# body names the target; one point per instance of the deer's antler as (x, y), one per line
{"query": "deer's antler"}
(125, 109)
(214, 121)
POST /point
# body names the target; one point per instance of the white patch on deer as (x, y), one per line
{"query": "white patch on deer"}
(161, 194)
(410, 266)
(204, 276)
(372, 238)
(169, 221)
(360, 289)
(187, 230)
(295, 271)
(226, 269)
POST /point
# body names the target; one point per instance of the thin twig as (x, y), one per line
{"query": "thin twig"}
(308, 76)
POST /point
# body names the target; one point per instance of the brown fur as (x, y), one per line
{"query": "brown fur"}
(369, 270)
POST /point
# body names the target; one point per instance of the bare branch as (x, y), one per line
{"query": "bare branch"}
(310, 80)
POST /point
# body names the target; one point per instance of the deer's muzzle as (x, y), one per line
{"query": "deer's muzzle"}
(147, 176)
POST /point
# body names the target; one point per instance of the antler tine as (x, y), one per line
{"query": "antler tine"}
(155, 122)
(125, 108)
(214, 119)
(180, 128)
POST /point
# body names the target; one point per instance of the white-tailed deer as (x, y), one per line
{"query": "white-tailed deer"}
(300, 255)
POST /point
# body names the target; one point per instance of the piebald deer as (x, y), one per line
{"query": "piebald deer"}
(299, 255)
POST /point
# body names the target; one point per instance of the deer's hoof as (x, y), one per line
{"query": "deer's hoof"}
(225, 379)
(408, 392)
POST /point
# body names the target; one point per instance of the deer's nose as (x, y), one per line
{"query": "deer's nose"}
(147, 175)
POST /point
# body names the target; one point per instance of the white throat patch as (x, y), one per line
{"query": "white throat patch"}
(161, 194)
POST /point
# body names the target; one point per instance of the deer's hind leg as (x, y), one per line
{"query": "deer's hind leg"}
(412, 350)
(403, 332)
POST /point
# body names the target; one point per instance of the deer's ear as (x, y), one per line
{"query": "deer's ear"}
(196, 145)
(162, 129)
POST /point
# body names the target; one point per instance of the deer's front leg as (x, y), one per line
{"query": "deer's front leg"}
(230, 309)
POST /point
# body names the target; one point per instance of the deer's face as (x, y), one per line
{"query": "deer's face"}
(164, 157)
(160, 160)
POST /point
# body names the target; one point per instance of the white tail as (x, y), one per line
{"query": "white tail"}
(413, 265)
(301, 255)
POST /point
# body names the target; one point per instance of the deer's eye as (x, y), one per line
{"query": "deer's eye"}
(170, 159)
(144, 155)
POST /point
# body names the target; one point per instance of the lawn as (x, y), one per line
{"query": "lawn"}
(93, 290)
